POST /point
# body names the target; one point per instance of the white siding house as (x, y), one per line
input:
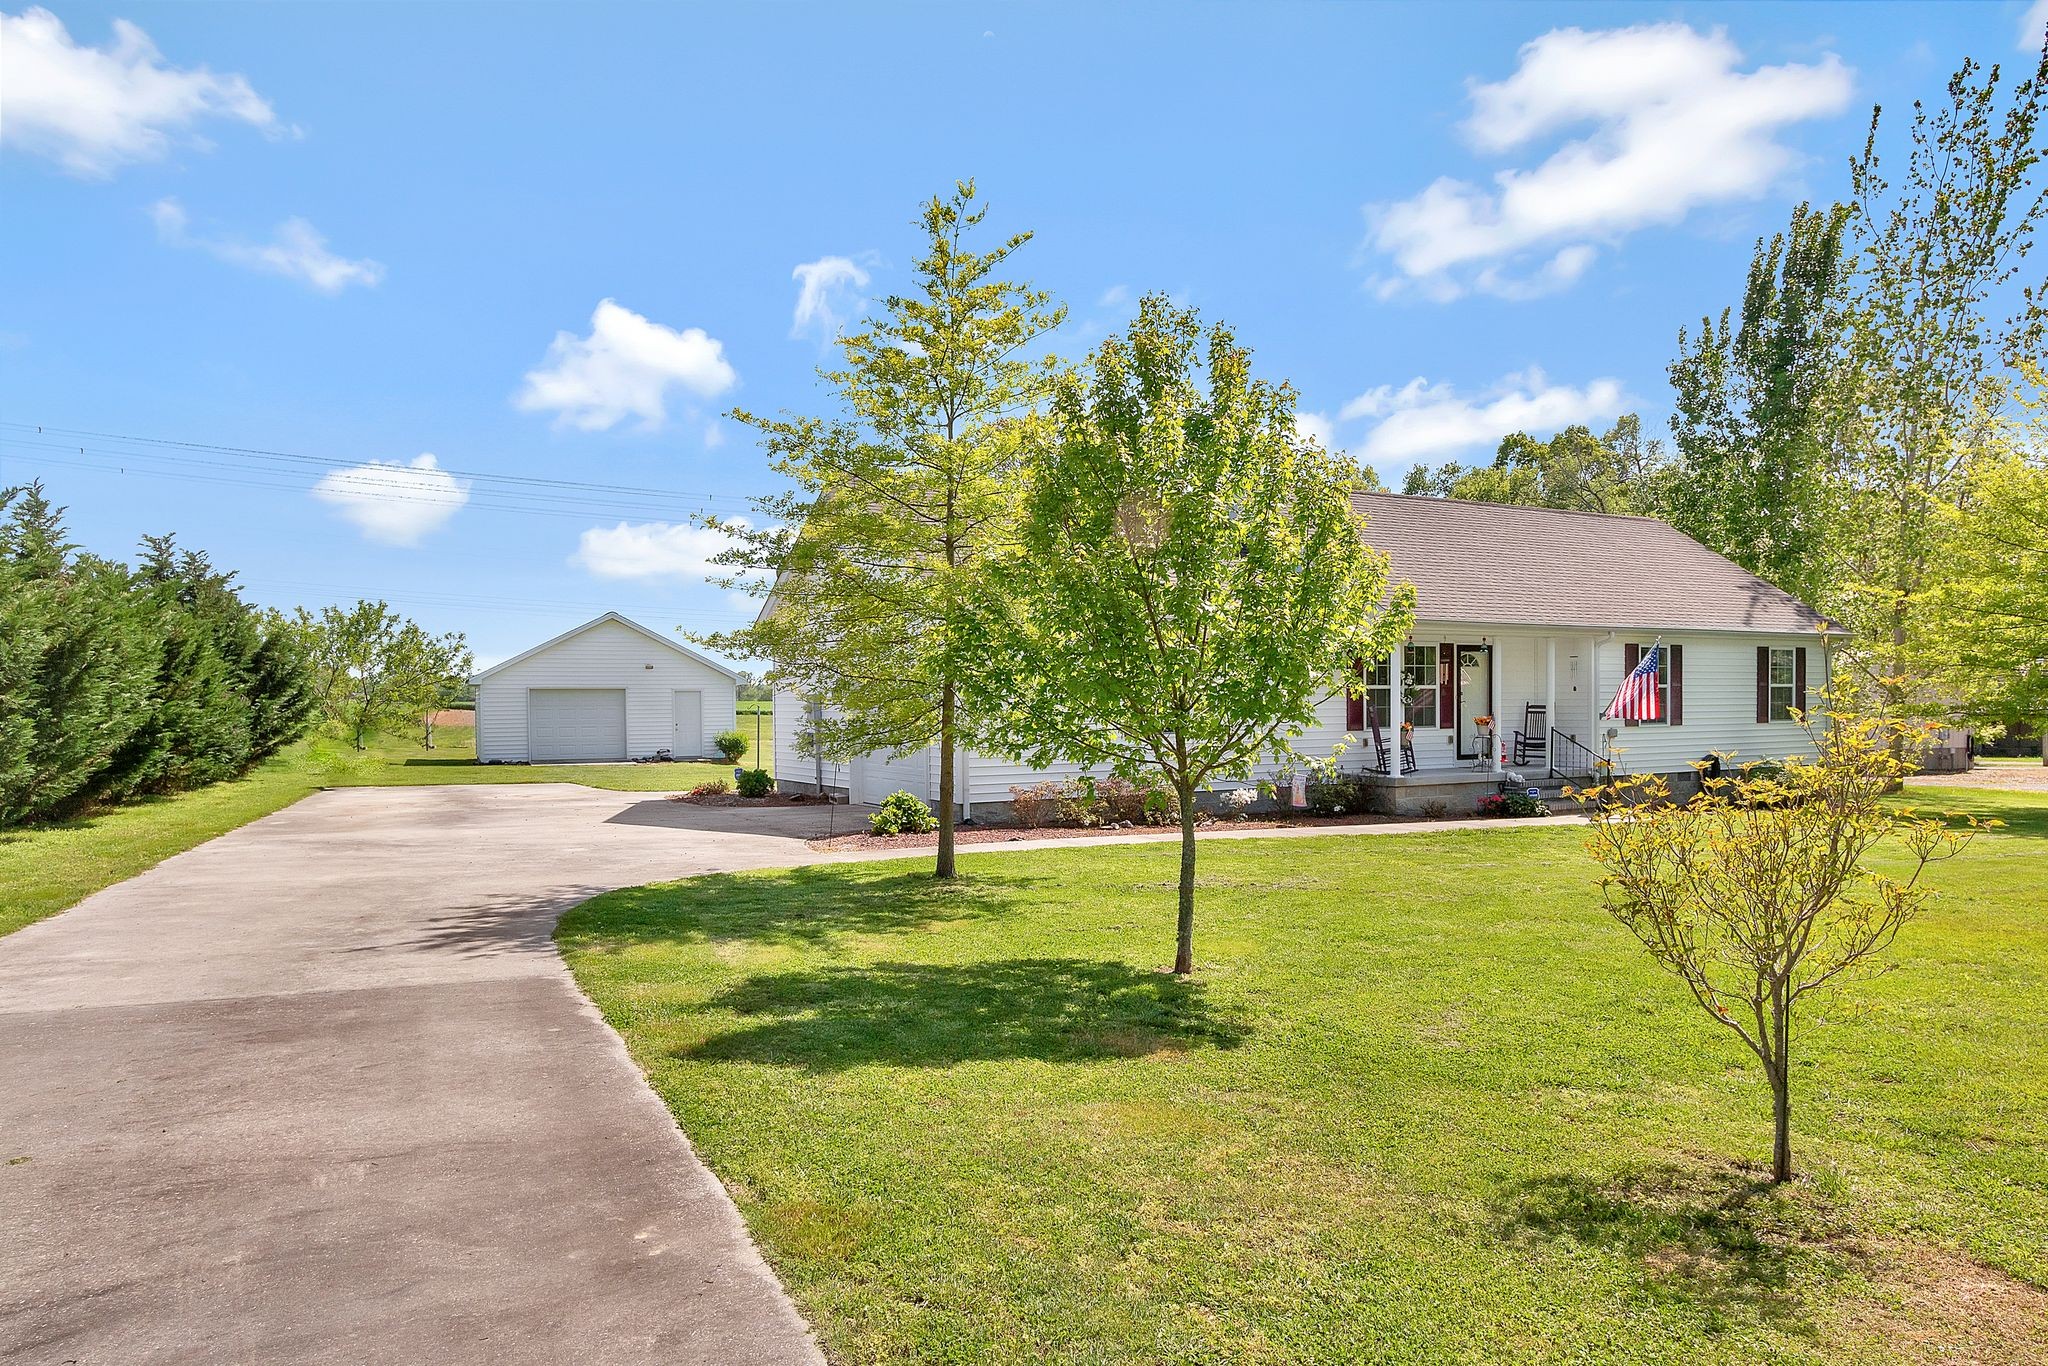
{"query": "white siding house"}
(609, 690)
(1528, 616)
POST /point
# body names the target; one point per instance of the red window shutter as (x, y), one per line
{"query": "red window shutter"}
(1631, 655)
(1763, 683)
(1447, 686)
(1354, 701)
(1799, 679)
(1677, 715)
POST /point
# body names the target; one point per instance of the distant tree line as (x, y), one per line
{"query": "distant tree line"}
(119, 682)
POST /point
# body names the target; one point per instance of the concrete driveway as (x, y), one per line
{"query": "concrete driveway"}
(321, 1090)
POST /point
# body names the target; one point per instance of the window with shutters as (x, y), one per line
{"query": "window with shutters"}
(1379, 700)
(1419, 685)
(1784, 684)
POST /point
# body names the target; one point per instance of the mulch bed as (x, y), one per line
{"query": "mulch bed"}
(1011, 834)
(734, 799)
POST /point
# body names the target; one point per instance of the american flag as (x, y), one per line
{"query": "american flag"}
(1637, 699)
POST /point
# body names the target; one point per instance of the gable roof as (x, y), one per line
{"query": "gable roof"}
(657, 637)
(1525, 566)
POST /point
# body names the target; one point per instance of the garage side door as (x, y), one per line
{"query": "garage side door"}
(575, 725)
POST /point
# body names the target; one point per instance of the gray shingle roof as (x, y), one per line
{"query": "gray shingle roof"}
(1521, 566)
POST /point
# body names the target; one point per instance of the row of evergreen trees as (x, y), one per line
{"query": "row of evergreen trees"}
(119, 682)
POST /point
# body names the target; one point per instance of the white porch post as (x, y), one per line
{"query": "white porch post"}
(1499, 718)
(1549, 696)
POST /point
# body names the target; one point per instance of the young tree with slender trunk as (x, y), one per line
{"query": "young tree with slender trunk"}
(875, 558)
(1758, 891)
(1189, 580)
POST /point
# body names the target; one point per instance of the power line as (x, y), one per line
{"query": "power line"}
(328, 462)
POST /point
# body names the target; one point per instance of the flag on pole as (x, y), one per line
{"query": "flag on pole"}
(1637, 698)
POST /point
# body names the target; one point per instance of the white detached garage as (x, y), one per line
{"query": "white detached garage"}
(608, 691)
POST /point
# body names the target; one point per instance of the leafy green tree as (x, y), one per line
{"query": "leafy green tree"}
(1756, 400)
(1991, 605)
(1944, 302)
(876, 557)
(1575, 470)
(77, 661)
(1190, 577)
(355, 654)
(425, 670)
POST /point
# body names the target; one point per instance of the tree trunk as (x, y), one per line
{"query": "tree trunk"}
(1184, 950)
(1780, 1073)
(947, 806)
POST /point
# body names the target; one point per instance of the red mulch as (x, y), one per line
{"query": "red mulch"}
(734, 799)
(462, 716)
(1011, 834)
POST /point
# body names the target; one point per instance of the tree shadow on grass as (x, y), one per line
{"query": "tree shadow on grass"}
(1710, 1233)
(792, 906)
(937, 1015)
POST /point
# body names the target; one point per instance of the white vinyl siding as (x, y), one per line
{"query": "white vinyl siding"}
(612, 656)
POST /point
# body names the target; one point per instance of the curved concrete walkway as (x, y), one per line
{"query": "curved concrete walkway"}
(322, 1090)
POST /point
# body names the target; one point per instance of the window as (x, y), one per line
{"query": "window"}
(1379, 704)
(1784, 684)
(1418, 686)
(1663, 683)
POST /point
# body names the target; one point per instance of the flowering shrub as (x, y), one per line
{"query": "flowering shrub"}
(1512, 804)
(903, 814)
(716, 787)
(1235, 801)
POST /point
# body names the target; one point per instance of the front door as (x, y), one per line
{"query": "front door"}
(688, 740)
(1475, 698)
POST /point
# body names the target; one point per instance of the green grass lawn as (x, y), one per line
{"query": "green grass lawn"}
(44, 869)
(1425, 1102)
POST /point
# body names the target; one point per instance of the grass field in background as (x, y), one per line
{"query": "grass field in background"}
(43, 869)
(1425, 1102)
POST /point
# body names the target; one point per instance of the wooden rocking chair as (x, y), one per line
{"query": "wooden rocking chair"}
(1379, 746)
(1532, 741)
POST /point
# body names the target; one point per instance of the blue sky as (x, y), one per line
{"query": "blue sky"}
(381, 232)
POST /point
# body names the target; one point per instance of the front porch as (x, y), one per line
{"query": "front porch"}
(1478, 707)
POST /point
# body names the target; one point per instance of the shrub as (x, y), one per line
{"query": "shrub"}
(733, 745)
(1049, 803)
(716, 787)
(754, 782)
(1236, 801)
(1337, 794)
(1112, 800)
(1512, 803)
(903, 814)
(1436, 809)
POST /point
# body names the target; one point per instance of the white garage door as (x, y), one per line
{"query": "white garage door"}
(575, 725)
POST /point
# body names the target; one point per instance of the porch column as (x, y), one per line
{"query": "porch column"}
(1499, 716)
(1549, 698)
(1594, 740)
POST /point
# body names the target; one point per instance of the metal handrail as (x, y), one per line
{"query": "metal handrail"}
(1565, 748)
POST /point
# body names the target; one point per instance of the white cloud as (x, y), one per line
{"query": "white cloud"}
(1674, 125)
(394, 503)
(828, 293)
(1116, 296)
(93, 110)
(296, 251)
(2033, 24)
(1420, 420)
(1315, 427)
(651, 550)
(624, 368)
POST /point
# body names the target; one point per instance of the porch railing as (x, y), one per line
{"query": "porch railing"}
(1570, 759)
